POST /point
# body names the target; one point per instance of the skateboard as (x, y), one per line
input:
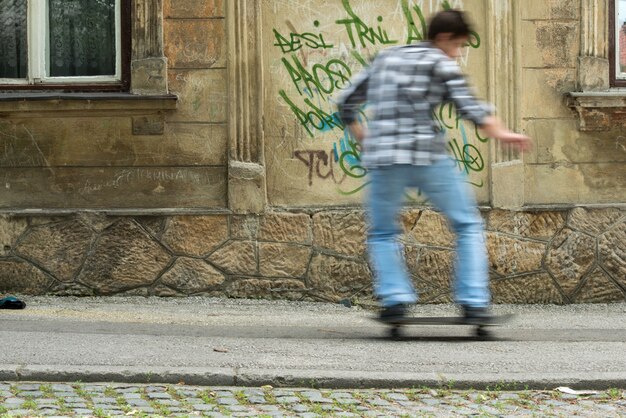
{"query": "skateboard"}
(480, 331)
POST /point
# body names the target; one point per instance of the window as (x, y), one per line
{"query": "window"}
(617, 51)
(64, 44)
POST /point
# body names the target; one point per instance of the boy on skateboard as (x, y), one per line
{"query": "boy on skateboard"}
(404, 146)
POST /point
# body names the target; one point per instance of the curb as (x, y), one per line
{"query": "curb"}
(293, 378)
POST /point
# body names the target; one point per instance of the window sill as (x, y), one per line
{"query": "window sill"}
(20, 103)
(599, 110)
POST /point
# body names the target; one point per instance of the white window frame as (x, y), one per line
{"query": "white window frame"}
(39, 51)
(619, 74)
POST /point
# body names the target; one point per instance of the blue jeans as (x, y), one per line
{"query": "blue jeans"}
(447, 190)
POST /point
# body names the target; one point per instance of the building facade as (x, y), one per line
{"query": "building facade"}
(209, 160)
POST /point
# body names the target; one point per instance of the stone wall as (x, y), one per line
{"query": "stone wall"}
(559, 256)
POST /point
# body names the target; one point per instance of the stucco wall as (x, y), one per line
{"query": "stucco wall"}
(119, 157)
(567, 165)
(311, 49)
(117, 154)
(313, 45)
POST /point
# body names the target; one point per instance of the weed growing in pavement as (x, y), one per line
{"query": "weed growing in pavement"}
(98, 412)
(449, 384)
(359, 396)
(499, 405)
(241, 397)
(270, 398)
(346, 407)
(3, 410)
(46, 390)
(494, 388)
(110, 392)
(441, 392)
(480, 398)
(414, 393)
(614, 393)
(525, 403)
(184, 403)
(208, 397)
(317, 409)
(121, 401)
(556, 395)
(29, 404)
(63, 408)
(161, 409)
(171, 390)
(80, 391)
(492, 394)
(502, 386)
(313, 384)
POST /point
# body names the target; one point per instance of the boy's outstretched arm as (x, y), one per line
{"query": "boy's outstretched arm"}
(459, 92)
(494, 128)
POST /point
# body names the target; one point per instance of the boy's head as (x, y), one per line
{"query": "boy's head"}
(449, 30)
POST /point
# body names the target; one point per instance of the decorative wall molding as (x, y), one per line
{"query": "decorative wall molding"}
(598, 107)
(148, 63)
(245, 77)
(593, 28)
(504, 68)
(246, 174)
(593, 59)
(507, 168)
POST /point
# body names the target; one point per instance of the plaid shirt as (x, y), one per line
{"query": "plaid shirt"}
(402, 88)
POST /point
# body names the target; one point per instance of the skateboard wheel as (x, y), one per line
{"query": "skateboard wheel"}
(394, 333)
(483, 333)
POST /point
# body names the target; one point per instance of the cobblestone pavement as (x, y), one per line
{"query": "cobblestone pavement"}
(102, 400)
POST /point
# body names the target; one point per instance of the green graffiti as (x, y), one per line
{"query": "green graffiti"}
(354, 191)
(297, 41)
(360, 59)
(317, 82)
(414, 33)
(351, 169)
(313, 119)
(322, 78)
(467, 157)
(365, 34)
(481, 138)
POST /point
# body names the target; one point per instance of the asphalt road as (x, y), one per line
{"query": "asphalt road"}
(233, 342)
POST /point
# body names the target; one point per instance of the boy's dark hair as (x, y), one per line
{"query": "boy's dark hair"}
(449, 21)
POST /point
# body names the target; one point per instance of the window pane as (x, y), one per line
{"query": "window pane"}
(13, 37)
(621, 46)
(82, 37)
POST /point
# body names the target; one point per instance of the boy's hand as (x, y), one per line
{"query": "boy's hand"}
(494, 129)
(357, 130)
(519, 141)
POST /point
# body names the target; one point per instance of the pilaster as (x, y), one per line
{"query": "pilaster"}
(246, 175)
(148, 63)
(593, 62)
(507, 166)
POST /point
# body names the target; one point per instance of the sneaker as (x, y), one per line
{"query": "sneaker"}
(393, 313)
(477, 315)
